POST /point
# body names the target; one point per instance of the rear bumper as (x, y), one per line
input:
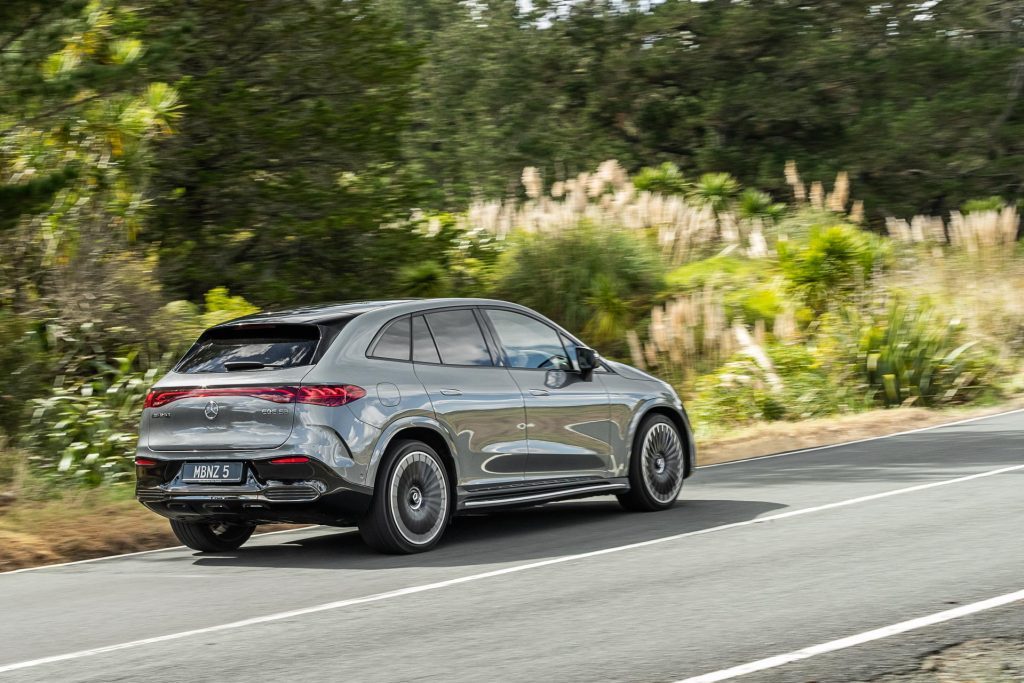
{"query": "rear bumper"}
(303, 493)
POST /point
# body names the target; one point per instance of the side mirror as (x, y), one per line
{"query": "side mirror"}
(586, 358)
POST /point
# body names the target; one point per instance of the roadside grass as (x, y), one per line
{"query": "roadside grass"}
(40, 525)
(76, 524)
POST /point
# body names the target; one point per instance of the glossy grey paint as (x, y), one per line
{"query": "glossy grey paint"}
(498, 430)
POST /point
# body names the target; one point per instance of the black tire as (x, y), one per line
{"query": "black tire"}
(212, 537)
(412, 501)
(656, 466)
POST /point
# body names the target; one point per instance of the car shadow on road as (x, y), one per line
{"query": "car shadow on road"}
(509, 536)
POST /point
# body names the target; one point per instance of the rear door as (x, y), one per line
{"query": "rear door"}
(472, 394)
(568, 420)
(233, 390)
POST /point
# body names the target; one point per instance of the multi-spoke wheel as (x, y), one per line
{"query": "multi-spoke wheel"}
(212, 537)
(656, 467)
(412, 501)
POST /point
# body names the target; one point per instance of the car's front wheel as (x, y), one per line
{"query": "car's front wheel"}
(412, 501)
(212, 537)
(656, 467)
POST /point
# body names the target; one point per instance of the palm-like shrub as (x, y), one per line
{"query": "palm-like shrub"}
(833, 263)
(756, 204)
(906, 355)
(664, 179)
(717, 189)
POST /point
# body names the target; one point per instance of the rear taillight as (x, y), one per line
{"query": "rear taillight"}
(145, 462)
(320, 395)
(290, 460)
(330, 394)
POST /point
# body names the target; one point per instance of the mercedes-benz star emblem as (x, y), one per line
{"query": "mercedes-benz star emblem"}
(212, 410)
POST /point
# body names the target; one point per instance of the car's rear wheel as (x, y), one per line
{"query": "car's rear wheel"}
(212, 537)
(656, 467)
(412, 502)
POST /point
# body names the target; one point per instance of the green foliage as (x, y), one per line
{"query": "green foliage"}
(222, 307)
(427, 279)
(979, 205)
(717, 189)
(278, 182)
(182, 321)
(834, 262)
(24, 365)
(750, 288)
(664, 179)
(589, 279)
(905, 354)
(736, 394)
(756, 204)
(911, 355)
(85, 432)
(739, 393)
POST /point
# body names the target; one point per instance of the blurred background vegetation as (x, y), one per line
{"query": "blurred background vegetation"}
(812, 208)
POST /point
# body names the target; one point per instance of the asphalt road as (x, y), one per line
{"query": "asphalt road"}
(697, 589)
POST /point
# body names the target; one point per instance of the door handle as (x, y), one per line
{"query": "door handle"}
(539, 392)
(451, 392)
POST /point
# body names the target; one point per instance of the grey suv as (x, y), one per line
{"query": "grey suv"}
(396, 415)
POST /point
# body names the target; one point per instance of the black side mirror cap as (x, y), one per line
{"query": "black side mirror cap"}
(586, 359)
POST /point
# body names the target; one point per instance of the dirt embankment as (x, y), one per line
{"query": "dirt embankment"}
(990, 660)
(96, 523)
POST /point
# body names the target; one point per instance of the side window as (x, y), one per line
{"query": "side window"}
(528, 343)
(394, 341)
(423, 348)
(458, 337)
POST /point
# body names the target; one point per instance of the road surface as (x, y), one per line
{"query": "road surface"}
(761, 558)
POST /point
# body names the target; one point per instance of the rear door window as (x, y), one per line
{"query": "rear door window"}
(252, 347)
(394, 341)
(458, 337)
(423, 348)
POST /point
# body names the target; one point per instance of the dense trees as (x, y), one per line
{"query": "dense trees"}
(919, 101)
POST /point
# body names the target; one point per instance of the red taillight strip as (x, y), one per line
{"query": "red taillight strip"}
(161, 397)
(290, 460)
(330, 394)
(321, 395)
(145, 462)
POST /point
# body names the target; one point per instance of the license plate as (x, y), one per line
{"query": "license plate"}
(211, 472)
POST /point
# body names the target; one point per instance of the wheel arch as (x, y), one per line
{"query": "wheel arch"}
(429, 434)
(678, 418)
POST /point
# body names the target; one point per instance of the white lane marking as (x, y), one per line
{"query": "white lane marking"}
(860, 638)
(700, 467)
(864, 440)
(140, 552)
(279, 616)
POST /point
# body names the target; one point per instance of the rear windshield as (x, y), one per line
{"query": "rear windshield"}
(252, 347)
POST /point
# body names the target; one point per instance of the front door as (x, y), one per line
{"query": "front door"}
(568, 420)
(471, 393)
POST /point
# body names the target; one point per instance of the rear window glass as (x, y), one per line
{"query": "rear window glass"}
(458, 337)
(393, 343)
(252, 347)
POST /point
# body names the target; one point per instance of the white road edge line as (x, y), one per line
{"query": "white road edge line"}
(866, 439)
(700, 467)
(291, 614)
(860, 638)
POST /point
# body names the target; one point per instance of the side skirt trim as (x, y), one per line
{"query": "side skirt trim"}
(586, 490)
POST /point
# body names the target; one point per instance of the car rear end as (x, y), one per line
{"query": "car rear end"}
(234, 433)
